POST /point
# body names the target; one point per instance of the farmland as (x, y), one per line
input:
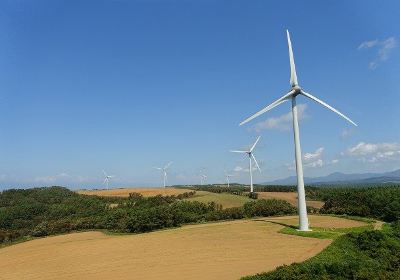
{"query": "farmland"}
(223, 250)
(124, 192)
(225, 199)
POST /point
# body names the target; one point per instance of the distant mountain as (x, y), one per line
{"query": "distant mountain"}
(343, 178)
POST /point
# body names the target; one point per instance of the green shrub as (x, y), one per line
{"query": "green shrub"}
(269, 207)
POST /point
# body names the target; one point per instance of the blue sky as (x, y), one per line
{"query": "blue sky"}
(125, 86)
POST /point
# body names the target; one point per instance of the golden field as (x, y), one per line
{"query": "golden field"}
(224, 250)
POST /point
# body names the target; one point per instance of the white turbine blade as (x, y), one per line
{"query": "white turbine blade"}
(158, 168)
(255, 143)
(269, 107)
(241, 152)
(168, 165)
(105, 174)
(254, 158)
(327, 106)
(293, 75)
(105, 181)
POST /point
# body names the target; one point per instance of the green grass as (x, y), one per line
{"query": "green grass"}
(324, 233)
(225, 199)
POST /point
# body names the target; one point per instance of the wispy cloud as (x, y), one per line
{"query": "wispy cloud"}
(61, 178)
(347, 133)
(374, 152)
(311, 160)
(385, 47)
(283, 122)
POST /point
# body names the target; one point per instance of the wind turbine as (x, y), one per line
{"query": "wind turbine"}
(203, 178)
(251, 157)
(291, 95)
(164, 170)
(227, 176)
(107, 178)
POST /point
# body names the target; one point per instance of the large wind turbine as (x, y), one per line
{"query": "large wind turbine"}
(107, 178)
(251, 157)
(291, 95)
(164, 171)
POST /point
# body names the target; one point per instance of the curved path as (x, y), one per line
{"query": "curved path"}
(226, 250)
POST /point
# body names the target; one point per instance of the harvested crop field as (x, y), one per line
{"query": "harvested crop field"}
(226, 250)
(225, 199)
(146, 192)
(290, 197)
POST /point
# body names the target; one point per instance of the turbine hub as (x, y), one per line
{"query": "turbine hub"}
(296, 89)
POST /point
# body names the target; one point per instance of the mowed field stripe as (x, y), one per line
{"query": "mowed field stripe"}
(225, 250)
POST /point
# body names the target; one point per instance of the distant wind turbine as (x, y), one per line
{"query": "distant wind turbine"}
(227, 176)
(107, 178)
(291, 95)
(164, 171)
(251, 158)
(203, 178)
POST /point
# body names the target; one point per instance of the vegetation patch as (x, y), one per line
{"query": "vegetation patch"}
(324, 233)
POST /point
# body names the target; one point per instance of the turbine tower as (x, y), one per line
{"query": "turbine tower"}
(164, 171)
(227, 176)
(251, 157)
(107, 178)
(291, 95)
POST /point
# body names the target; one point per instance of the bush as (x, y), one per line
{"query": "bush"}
(40, 230)
(253, 195)
(269, 207)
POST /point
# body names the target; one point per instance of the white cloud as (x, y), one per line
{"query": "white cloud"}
(334, 161)
(374, 152)
(347, 133)
(368, 44)
(310, 160)
(283, 122)
(384, 51)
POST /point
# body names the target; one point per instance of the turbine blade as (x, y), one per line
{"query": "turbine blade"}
(293, 75)
(254, 145)
(105, 174)
(327, 106)
(242, 152)
(269, 107)
(254, 158)
(105, 180)
(168, 165)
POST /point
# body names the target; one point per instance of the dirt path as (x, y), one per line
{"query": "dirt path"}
(227, 250)
(378, 225)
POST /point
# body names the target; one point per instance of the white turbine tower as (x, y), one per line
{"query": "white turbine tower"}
(227, 176)
(251, 157)
(291, 95)
(107, 178)
(164, 171)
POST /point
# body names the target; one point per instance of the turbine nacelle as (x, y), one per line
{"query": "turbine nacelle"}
(296, 89)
